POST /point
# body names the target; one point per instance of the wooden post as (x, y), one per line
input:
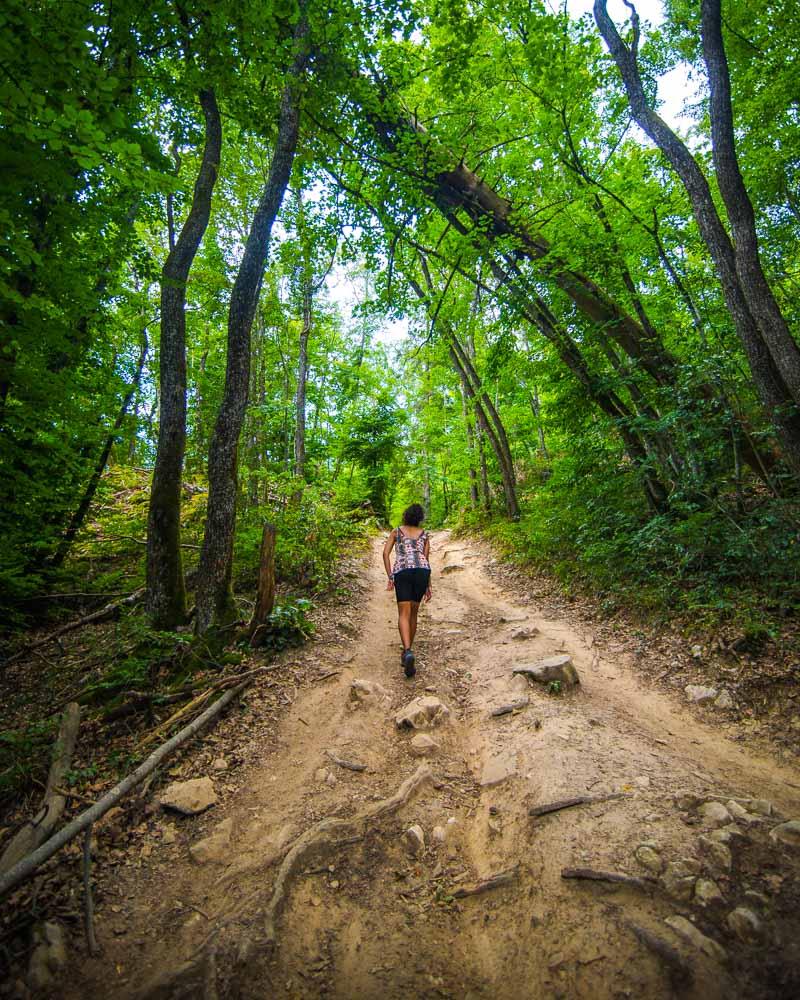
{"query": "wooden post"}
(266, 586)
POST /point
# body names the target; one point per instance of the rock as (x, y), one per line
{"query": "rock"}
(554, 668)
(330, 778)
(439, 834)
(364, 692)
(740, 814)
(762, 807)
(719, 854)
(679, 878)
(219, 764)
(723, 700)
(415, 840)
(422, 713)
(521, 634)
(727, 834)
(189, 797)
(423, 745)
(214, 849)
(453, 568)
(699, 694)
(697, 652)
(714, 814)
(49, 955)
(757, 898)
(495, 826)
(168, 834)
(706, 892)
(321, 774)
(647, 855)
(787, 833)
(745, 924)
(687, 800)
(498, 769)
(642, 781)
(687, 930)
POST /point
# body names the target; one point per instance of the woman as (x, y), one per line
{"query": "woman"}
(411, 577)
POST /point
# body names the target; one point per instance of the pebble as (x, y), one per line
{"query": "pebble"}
(699, 694)
(745, 924)
(706, 892)
(718, 853)
(49, 955)
(423, 745)
(219, 764)
(439, 834)
(648, 856)
(687, 930)
(723, 700)
(415, 840)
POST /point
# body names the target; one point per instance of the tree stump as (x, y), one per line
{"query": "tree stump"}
(265, 600)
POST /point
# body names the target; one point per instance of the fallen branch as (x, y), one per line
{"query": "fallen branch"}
(324, 677)
(680, 971)
(28, 865)
(618, 878)
(349, 764)
(184, 710)
(579, 800)
(486, 885)
(108, 611)
(37, 830)
(514, 706)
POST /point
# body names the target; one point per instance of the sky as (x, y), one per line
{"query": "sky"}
(674, 89)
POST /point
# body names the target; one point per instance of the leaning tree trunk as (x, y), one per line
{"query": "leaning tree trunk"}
(215, 603)
(166, 592)
(773, 356)
(302, 378)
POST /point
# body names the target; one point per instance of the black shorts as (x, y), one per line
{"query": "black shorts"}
(411, 584)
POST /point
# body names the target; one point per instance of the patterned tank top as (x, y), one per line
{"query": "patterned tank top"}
(410, 552)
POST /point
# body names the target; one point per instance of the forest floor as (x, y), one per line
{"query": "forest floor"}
(280, 902)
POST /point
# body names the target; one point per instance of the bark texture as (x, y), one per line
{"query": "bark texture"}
(166, 591)
(215, 602)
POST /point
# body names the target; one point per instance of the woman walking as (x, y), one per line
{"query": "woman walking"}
(410, 578)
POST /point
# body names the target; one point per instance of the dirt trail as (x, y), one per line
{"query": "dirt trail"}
(365, 919)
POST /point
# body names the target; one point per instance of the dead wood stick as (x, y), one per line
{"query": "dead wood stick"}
(513, 706)
(324, 677)
(579, 800)
(349, 764)
(96, 616)
(37, 830)
(88, 899)
(28, 865)
(619, 878)
(486, 885)
(164, 726)
(680, 972)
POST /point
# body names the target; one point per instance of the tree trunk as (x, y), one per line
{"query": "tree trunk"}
(302, 377)
(773, 356)
(215, 602)
(166, 592)
(470, 435)
(265, 601)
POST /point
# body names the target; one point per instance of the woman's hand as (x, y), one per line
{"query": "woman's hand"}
(390, 584)
(428, 595)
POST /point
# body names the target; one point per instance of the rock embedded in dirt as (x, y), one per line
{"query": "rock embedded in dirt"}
(523, 634)
(219, 764)
(422, 713)
(762, 807)
(168, 834)
(745, 924)
(699, 694)
(679, 878)
(439, 834)
(415, 840)
(553, 668)
(49, 956)
(647, 855)
(363, 692)
(498, 769)
(454, 568)
(740, 814)
(723, 700)
(189, 797)
(714, 814)
(688, 800)
(423, 745)
(718, 853)
(787, 833)
(707, 892)
(687, 930)
(215, 848)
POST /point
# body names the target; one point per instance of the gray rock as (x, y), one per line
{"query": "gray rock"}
(415, 840)
(718, 853)
(706, 892)
(554, 668)
(745, 924)
(363, 692)
(49, 956)
(762, 807)
(219, 764)
(454, 568)
(522, 634)
(647, 856)
(189, 797)
(439, 834)
(687, 930)
(679, 878)
(787, 833)
(727, 834)
(740, 814)
(714, 814)
(422, 713)
(688, 800)
(215, 848)
(723, 700)
(699, 694)
(498, 769)
(423, 745)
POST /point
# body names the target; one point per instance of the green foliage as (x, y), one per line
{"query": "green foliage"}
(288, 625)
(24, 756)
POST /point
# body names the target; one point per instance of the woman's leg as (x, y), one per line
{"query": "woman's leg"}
(413, 622)
(404, 622)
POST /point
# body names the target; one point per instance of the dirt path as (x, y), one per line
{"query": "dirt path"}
(367, 919)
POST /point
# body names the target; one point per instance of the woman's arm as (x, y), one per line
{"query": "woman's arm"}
(427, 547)
(387, 549)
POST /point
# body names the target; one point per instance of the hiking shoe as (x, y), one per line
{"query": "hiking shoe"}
(408, 662)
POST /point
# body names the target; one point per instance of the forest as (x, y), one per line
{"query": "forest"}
(532, 264)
